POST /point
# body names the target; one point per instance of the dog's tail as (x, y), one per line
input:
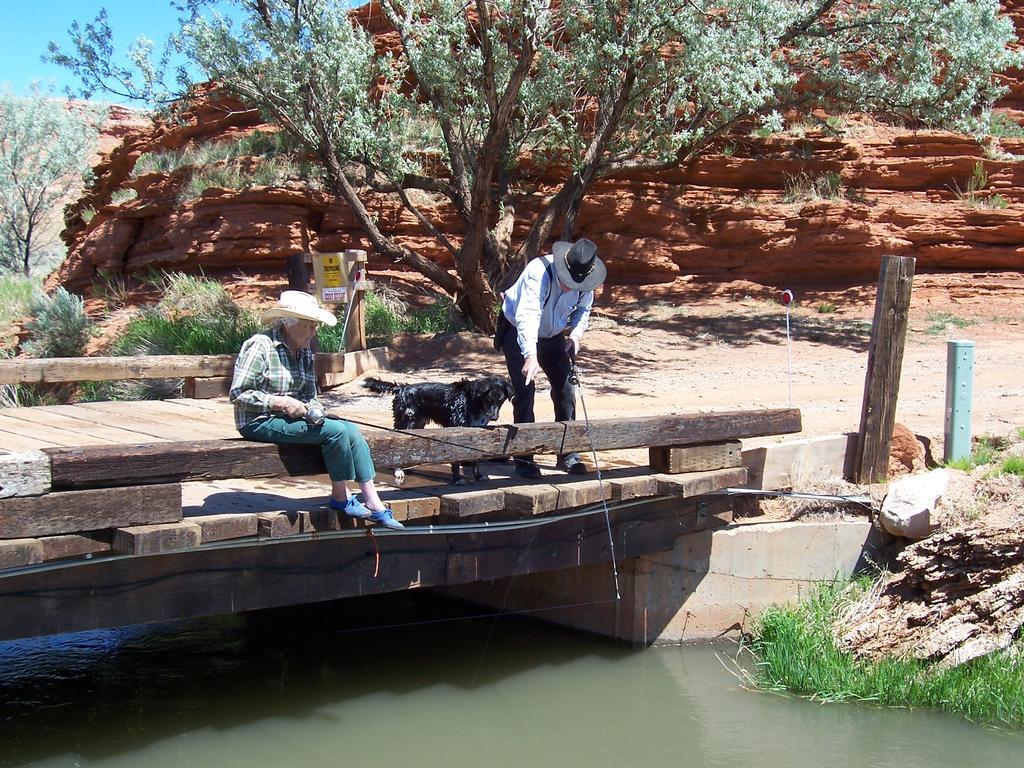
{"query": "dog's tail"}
(380, 386)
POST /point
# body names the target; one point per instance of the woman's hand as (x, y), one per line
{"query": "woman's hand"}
(289, 406)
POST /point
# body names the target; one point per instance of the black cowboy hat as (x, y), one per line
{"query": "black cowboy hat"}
(577, 264)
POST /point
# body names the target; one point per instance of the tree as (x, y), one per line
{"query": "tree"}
(470, 100)
(44, 153)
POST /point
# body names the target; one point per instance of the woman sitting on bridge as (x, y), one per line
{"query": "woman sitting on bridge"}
(274, 392)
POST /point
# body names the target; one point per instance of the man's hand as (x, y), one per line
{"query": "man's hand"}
(530, 368)
(572, 347)
(289, 406)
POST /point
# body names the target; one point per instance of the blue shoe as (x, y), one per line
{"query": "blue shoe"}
(352, 508)
(385, 518)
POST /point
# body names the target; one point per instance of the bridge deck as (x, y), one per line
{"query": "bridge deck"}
(114, 423)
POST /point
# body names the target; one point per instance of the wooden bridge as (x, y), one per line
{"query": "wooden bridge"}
(122, 513)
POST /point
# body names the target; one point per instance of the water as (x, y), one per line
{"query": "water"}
(298, 687)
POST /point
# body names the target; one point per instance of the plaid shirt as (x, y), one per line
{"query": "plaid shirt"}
(265, 368)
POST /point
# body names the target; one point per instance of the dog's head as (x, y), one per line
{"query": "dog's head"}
(485, 397)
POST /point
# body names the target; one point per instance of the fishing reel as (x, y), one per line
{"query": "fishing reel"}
(315, 415)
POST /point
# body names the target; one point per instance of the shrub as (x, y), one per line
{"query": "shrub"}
(802, 186)
(196, 296)
(123, 196)
(59, 326)
(825, 307)
(16, 292)
(152, 333)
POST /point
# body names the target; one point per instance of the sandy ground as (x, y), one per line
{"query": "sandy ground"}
(695, 347)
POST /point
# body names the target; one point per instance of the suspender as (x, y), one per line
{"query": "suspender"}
(552, 277)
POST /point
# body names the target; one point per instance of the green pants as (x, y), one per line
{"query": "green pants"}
(345, 451)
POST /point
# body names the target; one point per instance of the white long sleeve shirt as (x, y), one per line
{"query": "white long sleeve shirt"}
(538, 307)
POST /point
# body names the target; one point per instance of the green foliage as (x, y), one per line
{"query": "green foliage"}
(825, 307)
(16, 291)
(1014, 465)
(1002, 126)
(570, 88)
(944, 322)
(795, 651)
(197, 296)
(984, 450)
(973, 196)
(123, 196)
(59, 326)
(152, 333)
(803, 187)
(44, 153)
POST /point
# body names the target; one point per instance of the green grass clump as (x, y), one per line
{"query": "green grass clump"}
(795, 651)
(197, 296)
(944, 322)
(16, 292)
(825, 307)
(152, 333)
(59, 326)
(803, 186)
(984, 450)
(1014, 465)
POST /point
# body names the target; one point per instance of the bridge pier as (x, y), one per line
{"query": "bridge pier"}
(709, 585)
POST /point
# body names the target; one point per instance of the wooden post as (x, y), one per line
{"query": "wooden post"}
(298, 272)
(885, 361)
(355, 331)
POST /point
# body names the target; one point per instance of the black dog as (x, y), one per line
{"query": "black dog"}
(466, 403)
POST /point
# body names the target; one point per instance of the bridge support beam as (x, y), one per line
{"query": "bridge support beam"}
(709, 585)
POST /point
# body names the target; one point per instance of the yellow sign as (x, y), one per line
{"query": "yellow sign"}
(330, 272)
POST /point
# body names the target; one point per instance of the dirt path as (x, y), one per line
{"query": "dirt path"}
(694, 347)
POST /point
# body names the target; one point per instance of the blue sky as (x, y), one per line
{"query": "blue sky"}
(26, 28)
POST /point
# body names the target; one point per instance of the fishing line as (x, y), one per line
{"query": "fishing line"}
(574, 376)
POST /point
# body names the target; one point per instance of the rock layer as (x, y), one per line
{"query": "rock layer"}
(736, 213)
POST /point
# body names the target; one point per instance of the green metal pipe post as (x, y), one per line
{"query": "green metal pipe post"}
(959, 393)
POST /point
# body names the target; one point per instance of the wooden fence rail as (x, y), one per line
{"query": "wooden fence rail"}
(56, 370)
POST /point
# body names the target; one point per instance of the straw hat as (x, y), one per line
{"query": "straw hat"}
(577, 265)
(300, 305)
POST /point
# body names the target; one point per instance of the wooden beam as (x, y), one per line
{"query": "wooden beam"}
(24, 474)
(109, 592)
(90, 510)
(90, 466)
(885, 362)
(64, 369)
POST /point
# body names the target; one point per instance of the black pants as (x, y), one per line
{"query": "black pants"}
(554, 361)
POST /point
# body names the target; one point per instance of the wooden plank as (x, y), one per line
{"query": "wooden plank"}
(462, 504)
(885, 363)
(52, 435)
(217, 406)
(24, 474)
(207, 387)
(99, 419)
(75, 545)
(201, 581)
(117, 413)
(789, 464)
(88, 466)
(13, 441)
(156, 539)
(223, 527)
(672, 459)
(275, 525)
(74, 511)
(45, 415)
(700, 483)
(410, 505)
(630, 488)
(17, 553)
(65, 369)
(201, 423)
